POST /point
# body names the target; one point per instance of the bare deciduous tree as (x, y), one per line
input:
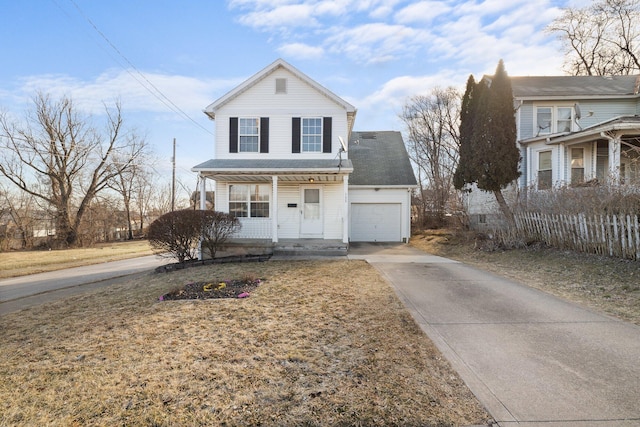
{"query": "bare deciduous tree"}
(127, 179)
(60, 157)
(601, 39)
(432, 123)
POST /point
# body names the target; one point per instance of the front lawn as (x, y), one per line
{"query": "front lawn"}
(317, 343)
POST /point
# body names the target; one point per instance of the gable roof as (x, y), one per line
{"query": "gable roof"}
(557, 87)
(260, 75)
(380, 159)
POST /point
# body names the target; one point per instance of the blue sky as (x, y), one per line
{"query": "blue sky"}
(373, 53)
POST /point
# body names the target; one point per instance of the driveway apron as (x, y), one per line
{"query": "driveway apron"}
(530, 358)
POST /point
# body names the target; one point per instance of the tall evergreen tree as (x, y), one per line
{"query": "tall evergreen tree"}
(489, 156)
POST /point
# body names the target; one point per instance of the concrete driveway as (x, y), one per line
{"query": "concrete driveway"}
(531, 359)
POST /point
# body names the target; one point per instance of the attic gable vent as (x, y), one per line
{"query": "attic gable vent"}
(281, 85)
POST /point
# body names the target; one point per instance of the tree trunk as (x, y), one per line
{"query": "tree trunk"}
(504, 207)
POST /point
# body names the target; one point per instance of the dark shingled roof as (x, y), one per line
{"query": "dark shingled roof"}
(575, 86)
(379, 158)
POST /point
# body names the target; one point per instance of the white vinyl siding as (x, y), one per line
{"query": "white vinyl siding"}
(260, 100)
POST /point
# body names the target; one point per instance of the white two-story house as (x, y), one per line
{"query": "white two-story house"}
(283, 163)
(573, 130)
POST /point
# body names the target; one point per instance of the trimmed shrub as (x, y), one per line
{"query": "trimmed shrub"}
(177, 234)
(217, 227)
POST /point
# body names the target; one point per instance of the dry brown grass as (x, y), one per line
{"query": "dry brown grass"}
(21, 263)
(320, 343)
(609, 285)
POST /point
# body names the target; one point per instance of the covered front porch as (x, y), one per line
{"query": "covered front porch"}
(605, 153)
(280, 200)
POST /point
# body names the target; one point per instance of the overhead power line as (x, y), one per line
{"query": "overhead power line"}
(138, 76)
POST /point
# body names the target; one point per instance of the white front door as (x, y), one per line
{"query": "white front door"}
(311, 212)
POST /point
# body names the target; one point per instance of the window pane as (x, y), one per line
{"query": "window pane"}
(248, 134)
(577, 175)
(238, 193)
(312, 195)
(544, 120)
(260, 193)
(544, 180)
(238, 209)
(564, 119)
(311, 134)
(577, 157)
(259, 210)
(544, 162)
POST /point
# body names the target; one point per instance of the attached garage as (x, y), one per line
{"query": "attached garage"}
(376, 222)
(379, 188)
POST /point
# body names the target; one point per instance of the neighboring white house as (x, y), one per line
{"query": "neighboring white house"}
(286, 163)
(572, 130)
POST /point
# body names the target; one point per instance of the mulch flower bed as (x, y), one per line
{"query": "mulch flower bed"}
(213, 289)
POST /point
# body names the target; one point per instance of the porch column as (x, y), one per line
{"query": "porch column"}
(203, 192)
(345, 210)
(614, 158)
(562, 179)
(274, 210)
(203, 206)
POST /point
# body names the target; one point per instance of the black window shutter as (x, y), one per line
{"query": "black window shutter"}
(233, 134)
(326, 135)
(295, 135)
(264, 134)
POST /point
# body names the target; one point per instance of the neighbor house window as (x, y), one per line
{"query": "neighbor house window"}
(312, 135)
(249, 200)
(551, 120)
(577, 165)
(249, 134)
(544, 170)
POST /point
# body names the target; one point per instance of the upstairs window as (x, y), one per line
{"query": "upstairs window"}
(544, 170)
(249, 134)
(249, 201)
(550, 120)
(312, 135)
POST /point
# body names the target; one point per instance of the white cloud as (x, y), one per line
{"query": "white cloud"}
(376, 42)
(189, 94)
(295, 15)
(301, 51)
(421, 12)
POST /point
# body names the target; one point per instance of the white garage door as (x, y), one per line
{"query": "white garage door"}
(376, 222)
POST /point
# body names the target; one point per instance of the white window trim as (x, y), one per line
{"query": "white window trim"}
(248, 200)
(240, 135)
(538, 170)
(302, 134)
(554, 118)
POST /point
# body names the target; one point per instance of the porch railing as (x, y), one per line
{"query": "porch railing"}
(254, 228)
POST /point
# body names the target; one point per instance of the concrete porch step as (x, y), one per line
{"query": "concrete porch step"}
(310, 247)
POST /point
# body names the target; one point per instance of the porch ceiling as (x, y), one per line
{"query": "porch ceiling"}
(303, 178)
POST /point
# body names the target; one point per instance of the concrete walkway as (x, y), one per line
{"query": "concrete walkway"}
(22, 292)
(531, 359)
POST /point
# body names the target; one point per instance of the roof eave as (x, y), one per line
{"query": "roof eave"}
(273, 171)
(572, 98)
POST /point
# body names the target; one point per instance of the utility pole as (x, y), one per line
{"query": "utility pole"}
(173, 178)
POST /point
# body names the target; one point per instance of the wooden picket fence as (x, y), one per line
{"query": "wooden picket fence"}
(612, 235)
